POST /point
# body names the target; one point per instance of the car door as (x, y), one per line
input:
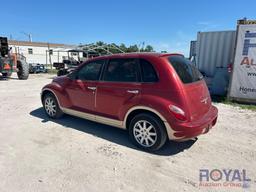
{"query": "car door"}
(119, 88)
(81, 89)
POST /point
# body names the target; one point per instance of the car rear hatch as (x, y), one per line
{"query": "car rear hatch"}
(198, 99)
(195, 90)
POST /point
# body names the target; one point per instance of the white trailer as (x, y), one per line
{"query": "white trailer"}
(243, 79)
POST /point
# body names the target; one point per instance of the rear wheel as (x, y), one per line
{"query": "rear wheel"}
(147, 132)
(51, 106)
(23, 69)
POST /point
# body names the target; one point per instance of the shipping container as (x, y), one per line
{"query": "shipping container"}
(212, 53)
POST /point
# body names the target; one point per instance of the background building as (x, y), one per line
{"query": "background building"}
(41, 52)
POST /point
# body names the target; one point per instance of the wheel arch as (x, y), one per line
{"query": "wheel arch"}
(141, 109)
(47, 90)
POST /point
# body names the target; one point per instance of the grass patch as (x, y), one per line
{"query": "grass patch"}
(52, 71)
(225, 100)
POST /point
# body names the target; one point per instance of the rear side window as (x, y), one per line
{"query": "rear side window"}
(122, 70)
(187, 72)
(148, 72)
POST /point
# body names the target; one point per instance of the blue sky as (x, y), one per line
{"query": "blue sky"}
(167, 25)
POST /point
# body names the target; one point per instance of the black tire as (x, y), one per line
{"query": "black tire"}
(62, 72)
(58, 112)
(8, 74)
(159, 129)
(23, 69)
(59, 73)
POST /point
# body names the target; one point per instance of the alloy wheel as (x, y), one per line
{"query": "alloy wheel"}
(145, 133)
(50, 106)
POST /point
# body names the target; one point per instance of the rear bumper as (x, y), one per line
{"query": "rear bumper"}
(188, 130)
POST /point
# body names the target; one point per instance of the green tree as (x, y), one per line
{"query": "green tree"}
(133, 48)
(102, 48)
(148, 48)
(123, 47)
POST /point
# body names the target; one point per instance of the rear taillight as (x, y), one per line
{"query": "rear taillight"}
(178, 113)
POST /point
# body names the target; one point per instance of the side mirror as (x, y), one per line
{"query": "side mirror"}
(73, 75)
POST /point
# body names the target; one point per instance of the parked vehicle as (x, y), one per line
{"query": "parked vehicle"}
(12, 62)
(37, 68)
(154, 96)
(72, 61)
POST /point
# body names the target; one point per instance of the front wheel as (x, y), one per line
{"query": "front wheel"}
(51, 106)
(147, 132)
(23, 69)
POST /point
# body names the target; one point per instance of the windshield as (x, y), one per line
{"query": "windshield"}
(187, 72)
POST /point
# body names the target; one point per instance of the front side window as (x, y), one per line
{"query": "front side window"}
(90, 71)
(187, 72)
(122, 70)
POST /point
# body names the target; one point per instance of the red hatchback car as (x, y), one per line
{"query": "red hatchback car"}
(154, 96)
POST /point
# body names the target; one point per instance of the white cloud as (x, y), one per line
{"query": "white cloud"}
(203, 23)
(175, 47)
(180, 43)
(207, 25)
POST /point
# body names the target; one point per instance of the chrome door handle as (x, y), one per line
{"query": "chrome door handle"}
(92, 88)
(133, 91)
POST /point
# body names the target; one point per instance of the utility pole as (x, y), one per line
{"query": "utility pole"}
(28, 35)
(141, 46)
(50, 58)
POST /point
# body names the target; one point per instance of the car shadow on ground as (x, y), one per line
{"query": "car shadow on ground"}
(109, 133)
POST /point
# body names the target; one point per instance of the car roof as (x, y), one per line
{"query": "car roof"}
(135, 55)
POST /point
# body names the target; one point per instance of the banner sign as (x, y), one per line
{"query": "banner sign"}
(243, 82)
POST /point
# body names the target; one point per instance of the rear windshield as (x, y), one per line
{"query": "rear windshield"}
(187, 72)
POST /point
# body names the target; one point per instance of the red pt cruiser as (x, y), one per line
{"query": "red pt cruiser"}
(154, 96)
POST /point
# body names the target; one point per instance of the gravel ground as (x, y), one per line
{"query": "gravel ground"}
(72, 154)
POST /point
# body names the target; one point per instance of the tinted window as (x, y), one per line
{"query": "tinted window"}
(90, 71)
(121, 70)
(148, 71)
(187, 72)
